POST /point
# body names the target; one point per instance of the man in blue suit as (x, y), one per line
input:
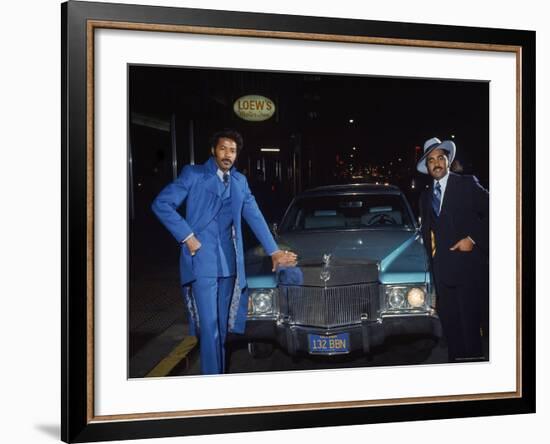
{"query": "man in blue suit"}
(217, 197)
(454, 212)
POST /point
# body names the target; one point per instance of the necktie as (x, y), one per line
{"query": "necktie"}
(436, 198)
(226, 179)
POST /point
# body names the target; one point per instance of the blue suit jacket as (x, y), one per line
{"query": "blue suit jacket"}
(197, 186)
(465, 212)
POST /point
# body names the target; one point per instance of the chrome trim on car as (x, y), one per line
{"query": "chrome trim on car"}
(406, 314)
(264, 317)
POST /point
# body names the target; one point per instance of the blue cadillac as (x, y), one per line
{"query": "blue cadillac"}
(362, 275)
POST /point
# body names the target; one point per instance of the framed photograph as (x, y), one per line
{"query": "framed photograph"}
(336, 135)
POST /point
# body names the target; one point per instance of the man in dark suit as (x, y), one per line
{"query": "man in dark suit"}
(454, 214)
(217, 197)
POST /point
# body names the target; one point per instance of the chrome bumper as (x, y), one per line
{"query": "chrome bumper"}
(363, 336)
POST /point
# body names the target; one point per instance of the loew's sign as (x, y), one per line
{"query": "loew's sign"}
(254, 108)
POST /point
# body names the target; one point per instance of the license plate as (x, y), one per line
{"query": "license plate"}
(319, 344)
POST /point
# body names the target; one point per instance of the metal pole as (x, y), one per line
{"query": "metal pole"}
(174, 144)
(192, 142)
(130, 175)
(294, 177)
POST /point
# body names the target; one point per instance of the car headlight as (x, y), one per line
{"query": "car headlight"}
(396, 297)
(404, 297)
(416, 297)
(260, 301)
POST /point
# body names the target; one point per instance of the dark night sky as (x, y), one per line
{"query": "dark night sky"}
(391, 115)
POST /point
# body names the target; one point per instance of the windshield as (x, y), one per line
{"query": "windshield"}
(347, 212)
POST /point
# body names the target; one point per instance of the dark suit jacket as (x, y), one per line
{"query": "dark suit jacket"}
(465, 212)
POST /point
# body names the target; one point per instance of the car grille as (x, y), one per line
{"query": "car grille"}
(328, 307)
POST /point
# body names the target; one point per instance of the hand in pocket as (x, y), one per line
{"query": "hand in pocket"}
(193, 245)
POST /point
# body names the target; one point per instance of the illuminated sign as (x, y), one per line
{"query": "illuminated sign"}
(254, 108)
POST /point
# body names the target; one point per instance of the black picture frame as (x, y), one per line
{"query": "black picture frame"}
(79, 19)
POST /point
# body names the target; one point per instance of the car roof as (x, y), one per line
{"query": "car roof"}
(362, 188)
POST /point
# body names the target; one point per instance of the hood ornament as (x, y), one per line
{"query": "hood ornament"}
(325, 272)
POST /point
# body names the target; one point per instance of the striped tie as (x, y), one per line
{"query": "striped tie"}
(436, 198)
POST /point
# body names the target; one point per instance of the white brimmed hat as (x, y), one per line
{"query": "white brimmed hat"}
(433, 144)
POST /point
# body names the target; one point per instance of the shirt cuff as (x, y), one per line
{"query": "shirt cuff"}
(187, 238)
(276, 251)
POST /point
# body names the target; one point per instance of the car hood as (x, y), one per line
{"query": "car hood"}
(399, 254)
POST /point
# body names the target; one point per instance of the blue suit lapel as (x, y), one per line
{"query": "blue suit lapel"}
(208, 189)
(211, 179)
(211, 185)
(236, 194)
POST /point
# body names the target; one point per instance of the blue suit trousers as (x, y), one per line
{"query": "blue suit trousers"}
(213, 298)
